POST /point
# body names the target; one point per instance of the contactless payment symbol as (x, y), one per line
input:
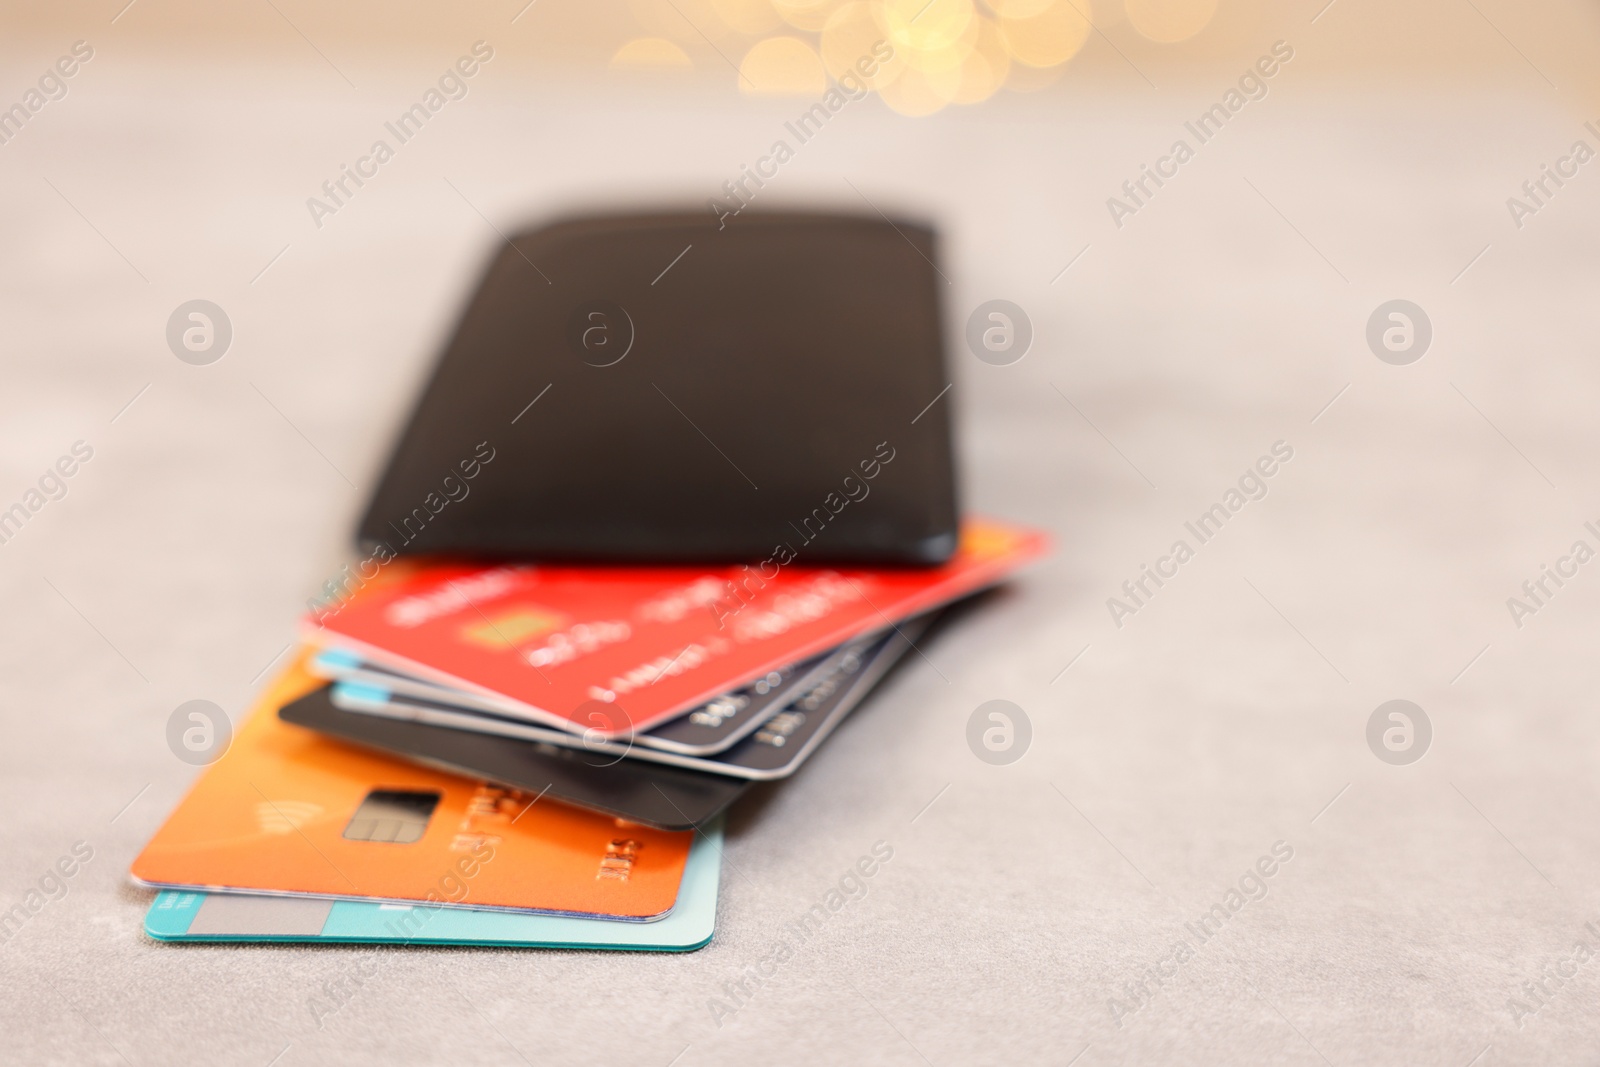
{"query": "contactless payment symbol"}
(198, 732)
(998, 732)
(600, 333)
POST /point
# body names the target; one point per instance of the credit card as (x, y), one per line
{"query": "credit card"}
(494, 748)
(442, 709)
(614, 651)
(289, 811)
(706, 730)
(668, 798)
(177, 915)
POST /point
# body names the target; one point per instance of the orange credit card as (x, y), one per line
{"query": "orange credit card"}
(288, 811)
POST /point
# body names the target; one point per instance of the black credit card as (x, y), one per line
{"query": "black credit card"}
(711, 728)
(671, 798)
(776, 750)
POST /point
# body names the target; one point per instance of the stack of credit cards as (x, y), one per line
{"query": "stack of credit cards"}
(532, 755)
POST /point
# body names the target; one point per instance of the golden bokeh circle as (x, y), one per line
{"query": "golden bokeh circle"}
(941, 51)
(782, 66)
(1050, 37)
(853, 42)
(1170, 21)
(926, 25)
(1020, 9)
(750, 17)
(649, 52)
(984, 70)
(808, 15)
(921, 92)
(1022, 78)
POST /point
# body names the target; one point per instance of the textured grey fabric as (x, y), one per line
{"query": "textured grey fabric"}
(1168, 755)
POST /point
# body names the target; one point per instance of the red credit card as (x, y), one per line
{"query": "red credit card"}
(610, 650)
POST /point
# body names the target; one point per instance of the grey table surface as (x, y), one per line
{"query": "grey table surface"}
(1026, 903)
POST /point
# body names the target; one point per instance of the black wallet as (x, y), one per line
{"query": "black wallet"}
(671, 388)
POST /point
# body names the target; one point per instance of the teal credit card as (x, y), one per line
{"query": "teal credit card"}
(184, 916)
